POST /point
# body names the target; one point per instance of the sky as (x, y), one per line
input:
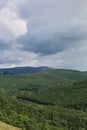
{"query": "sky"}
(43, 33)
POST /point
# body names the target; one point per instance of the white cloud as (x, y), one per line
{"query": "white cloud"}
(11, 24)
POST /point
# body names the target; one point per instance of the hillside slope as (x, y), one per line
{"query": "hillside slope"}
(52, 100)
(32, 116)
(71, 95)
(51, 78)
(4, 126)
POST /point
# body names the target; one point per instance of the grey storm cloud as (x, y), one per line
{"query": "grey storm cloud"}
(53, 26)
(56, 43)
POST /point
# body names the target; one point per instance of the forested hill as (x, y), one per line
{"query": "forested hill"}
(50, 78)
(50, 100)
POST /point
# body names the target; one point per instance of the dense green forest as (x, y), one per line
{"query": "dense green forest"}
(52, 100)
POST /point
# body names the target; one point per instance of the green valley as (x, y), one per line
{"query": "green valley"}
(50, 100)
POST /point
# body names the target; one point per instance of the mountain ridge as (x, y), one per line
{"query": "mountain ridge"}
(23, 70)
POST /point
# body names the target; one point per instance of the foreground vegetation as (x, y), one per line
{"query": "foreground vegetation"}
(52, 100)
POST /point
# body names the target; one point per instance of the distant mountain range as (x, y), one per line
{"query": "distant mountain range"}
(23, 70)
